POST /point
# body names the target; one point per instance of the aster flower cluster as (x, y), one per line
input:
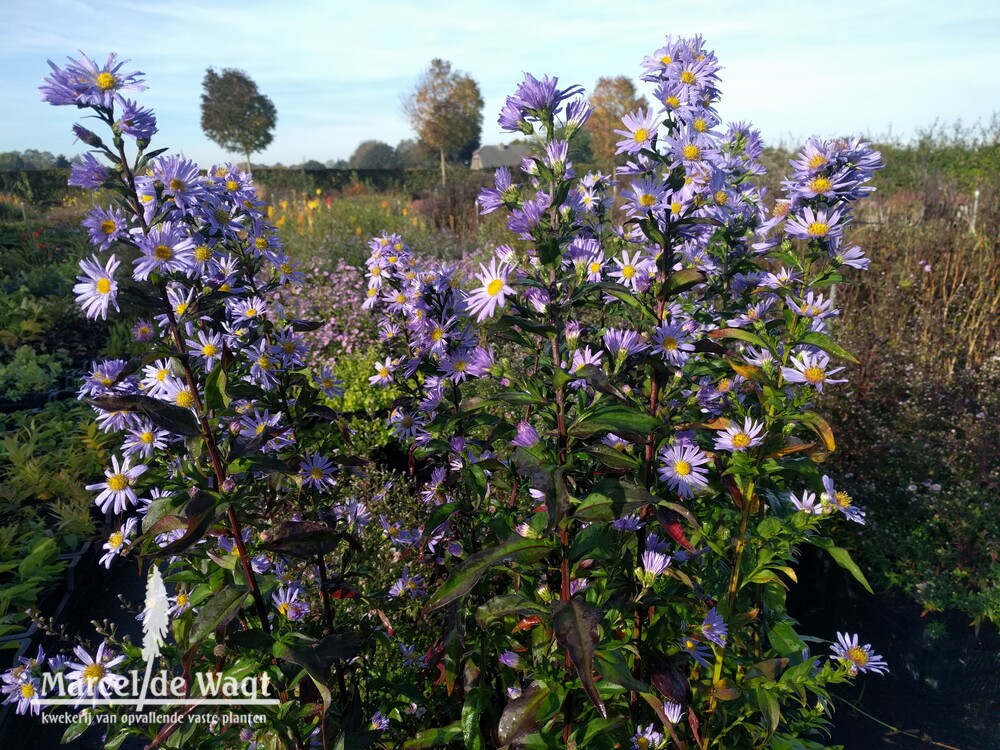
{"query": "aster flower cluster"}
(648, 363)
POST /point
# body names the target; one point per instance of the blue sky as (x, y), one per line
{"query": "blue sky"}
(337, 71)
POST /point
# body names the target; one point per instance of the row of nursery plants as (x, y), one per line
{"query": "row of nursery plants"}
(611, 454)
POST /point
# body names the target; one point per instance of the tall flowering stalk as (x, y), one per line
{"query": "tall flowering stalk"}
(616, 415)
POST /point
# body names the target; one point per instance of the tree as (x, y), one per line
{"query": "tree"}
(612, 99)
(373, 155)
(446, 111)
(235, 114)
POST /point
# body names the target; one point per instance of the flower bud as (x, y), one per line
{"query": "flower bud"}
(87, 136)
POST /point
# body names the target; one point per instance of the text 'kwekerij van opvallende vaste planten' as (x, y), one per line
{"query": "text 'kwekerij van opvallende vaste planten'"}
(610, 429)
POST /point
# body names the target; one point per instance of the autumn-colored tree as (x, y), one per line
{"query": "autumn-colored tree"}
(612, 99)
(446, 111)
(235, 114)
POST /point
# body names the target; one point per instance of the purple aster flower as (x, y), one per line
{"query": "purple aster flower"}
(97, 288)
(105, 225)
(853, 257)
(647, 739)
(85, 82)
(167, 248)
(118, 542)
(408, 584)
(839, 499)
(92, 677)
(631, 522)
(510, 659)
(640, 129)
(330, 384)
(813, 305)
(481, 361)
(207, 347)
(144, 439)
(116, 492)
(644, 195)
(485, 299)
(379, 722)
(811, 369)
(672, 342)
(857, 658)
(714, 628)
(136, 122)
(633, 271)
(816, 225)
(672, 711)
(181, 180)
(737, 438)
(655, 563)
(317, 472)
(142, 331)
(684, 468)
(505, 193)
(526, 436)
(286, 601)
(525, 220)
(697, 650)
(808, 503)
(88, 173)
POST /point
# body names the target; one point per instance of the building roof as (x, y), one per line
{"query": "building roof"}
(501, 155)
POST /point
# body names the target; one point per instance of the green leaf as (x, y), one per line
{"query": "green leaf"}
(679, 282)
(738, 333)
(476, 701)
(309, 661)
(843, 558)
(617, 418)
(577, 629)
(507, 604)
(467, 575)
(610, 457)
(216, 614)
(435, 737)
(598, 380)
(305, 539)
(825, 343)
(518, 398)
(199, 513)
(166, 416)
(612, 667)
(820, 426)
(216, 396)
(525, 714)
(78, 727)
(612, 499)
(785, 640)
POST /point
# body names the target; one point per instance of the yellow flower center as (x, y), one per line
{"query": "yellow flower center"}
(647, 200)
(843, 499)
(283, 608)
(250, 312)
(691, 152)
(27, 690)
(641, 135)
(117, 482)
(817, 161)
(260, 243)
(666, 59)
(814, 375)
(184, 398)
(858, 656)
(232, 185)
(163, 252)
(437, 334)
(818, 229)
(285, 268)
(594, 267)
(93, 673)
(182, 599)
(700, 125)
(116, 540)
(180, 308)
(741, 440)
(316, 473)
(161, 375)
(642, 743)
(675, 207)
(177, 186)
(460, 365)
(687, 77)
(494, 287)
(209, 350)
(628, 271)
(104, 286)
(107, 226)
(106, 81)
(672, 102)
(721, 198)
(264, 362)
(146, 437)
(669, 344)
(202, 253)
(682, 468)
(383, 372)
(820, 184)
